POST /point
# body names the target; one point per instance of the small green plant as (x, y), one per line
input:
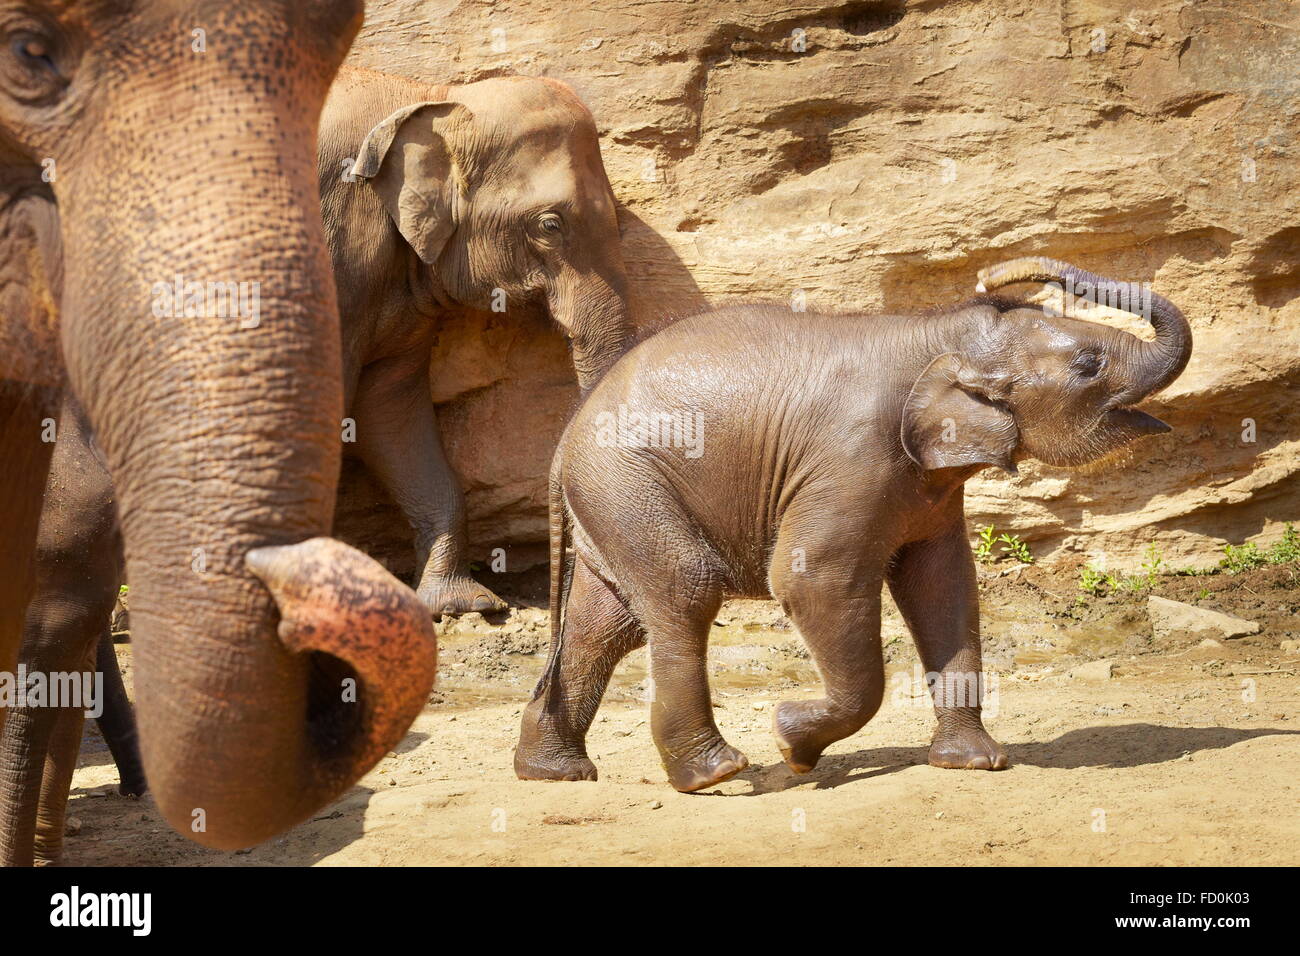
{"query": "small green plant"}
(1095, 582)
(1153, 566)
(1007, 544)
(1242, 557)
(1248, 556)
(1012, 545)
(122, 591)
(1287, 549)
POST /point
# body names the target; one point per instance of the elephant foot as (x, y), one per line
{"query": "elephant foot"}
(966, 748)
(456, 594)
(791, 723)
(719, 762)
(543, 753)
(538, 766)
(133, 788)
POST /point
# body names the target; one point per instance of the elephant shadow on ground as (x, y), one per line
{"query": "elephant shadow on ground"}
(115, 830)
(1123, 746)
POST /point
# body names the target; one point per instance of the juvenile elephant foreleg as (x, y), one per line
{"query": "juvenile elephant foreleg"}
(397, 438)
(933, 584)
(841, 626)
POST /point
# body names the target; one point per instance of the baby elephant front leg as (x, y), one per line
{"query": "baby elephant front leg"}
(933, 584)
(843, 633)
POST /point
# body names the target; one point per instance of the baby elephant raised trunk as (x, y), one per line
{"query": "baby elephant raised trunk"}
(1152, 365)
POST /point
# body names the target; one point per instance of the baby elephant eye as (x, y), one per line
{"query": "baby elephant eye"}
(1088, 364)
(551, 223)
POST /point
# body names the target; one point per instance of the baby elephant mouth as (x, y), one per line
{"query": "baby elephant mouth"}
(1133, 423)
(1090, 450)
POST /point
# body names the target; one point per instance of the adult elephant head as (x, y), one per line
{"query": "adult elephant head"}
(199, 327)
(499, 186)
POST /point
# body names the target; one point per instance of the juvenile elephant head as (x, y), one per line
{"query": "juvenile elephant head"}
(1029, 384)
(198, 324)
(500, 188)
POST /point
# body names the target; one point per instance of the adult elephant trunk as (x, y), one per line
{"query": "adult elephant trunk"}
(1151, 365)
(200, 330)
(592, 309)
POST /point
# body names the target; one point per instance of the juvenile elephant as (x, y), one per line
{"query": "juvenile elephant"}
(134, 165)
(824, 455)
(488, 195)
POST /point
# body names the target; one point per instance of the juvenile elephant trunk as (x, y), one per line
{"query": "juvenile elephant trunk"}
(201, 332)
(1152, 365)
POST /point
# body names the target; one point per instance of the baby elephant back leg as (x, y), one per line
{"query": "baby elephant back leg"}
(599, 631)
(673, 584)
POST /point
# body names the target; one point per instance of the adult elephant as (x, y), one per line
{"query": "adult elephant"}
(488, 195)
(527, 152)
(151, 147)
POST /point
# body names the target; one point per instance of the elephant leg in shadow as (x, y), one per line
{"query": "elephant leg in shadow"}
(78, 568)
(117, 722)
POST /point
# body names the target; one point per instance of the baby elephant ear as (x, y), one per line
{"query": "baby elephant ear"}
(951, 420)
(409, 161)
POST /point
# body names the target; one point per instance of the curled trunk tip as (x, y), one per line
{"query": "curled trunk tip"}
(1026, 269)
(335, 600)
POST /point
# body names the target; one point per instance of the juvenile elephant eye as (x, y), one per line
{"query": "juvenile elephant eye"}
(1088, 365)
(551, 224)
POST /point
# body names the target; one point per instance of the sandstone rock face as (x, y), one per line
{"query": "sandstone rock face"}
(874, 156)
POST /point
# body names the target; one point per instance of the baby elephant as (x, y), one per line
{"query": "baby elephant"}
(749, 452)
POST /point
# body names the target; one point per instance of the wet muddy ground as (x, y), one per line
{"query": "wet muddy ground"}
(1129, 745)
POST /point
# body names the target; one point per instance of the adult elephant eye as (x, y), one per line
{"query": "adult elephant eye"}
(31, 69)
(551, 224)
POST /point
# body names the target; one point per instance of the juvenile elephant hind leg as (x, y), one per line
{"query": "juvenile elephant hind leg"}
(599, 631)
(672, 584)
(681, 706)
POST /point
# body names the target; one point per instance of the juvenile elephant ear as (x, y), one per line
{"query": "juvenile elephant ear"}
(409, 162)
(951, 418)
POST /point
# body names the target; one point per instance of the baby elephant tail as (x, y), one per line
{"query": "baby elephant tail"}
(561, 570)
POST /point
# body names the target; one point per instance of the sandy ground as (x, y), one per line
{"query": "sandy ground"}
(1187, 754)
